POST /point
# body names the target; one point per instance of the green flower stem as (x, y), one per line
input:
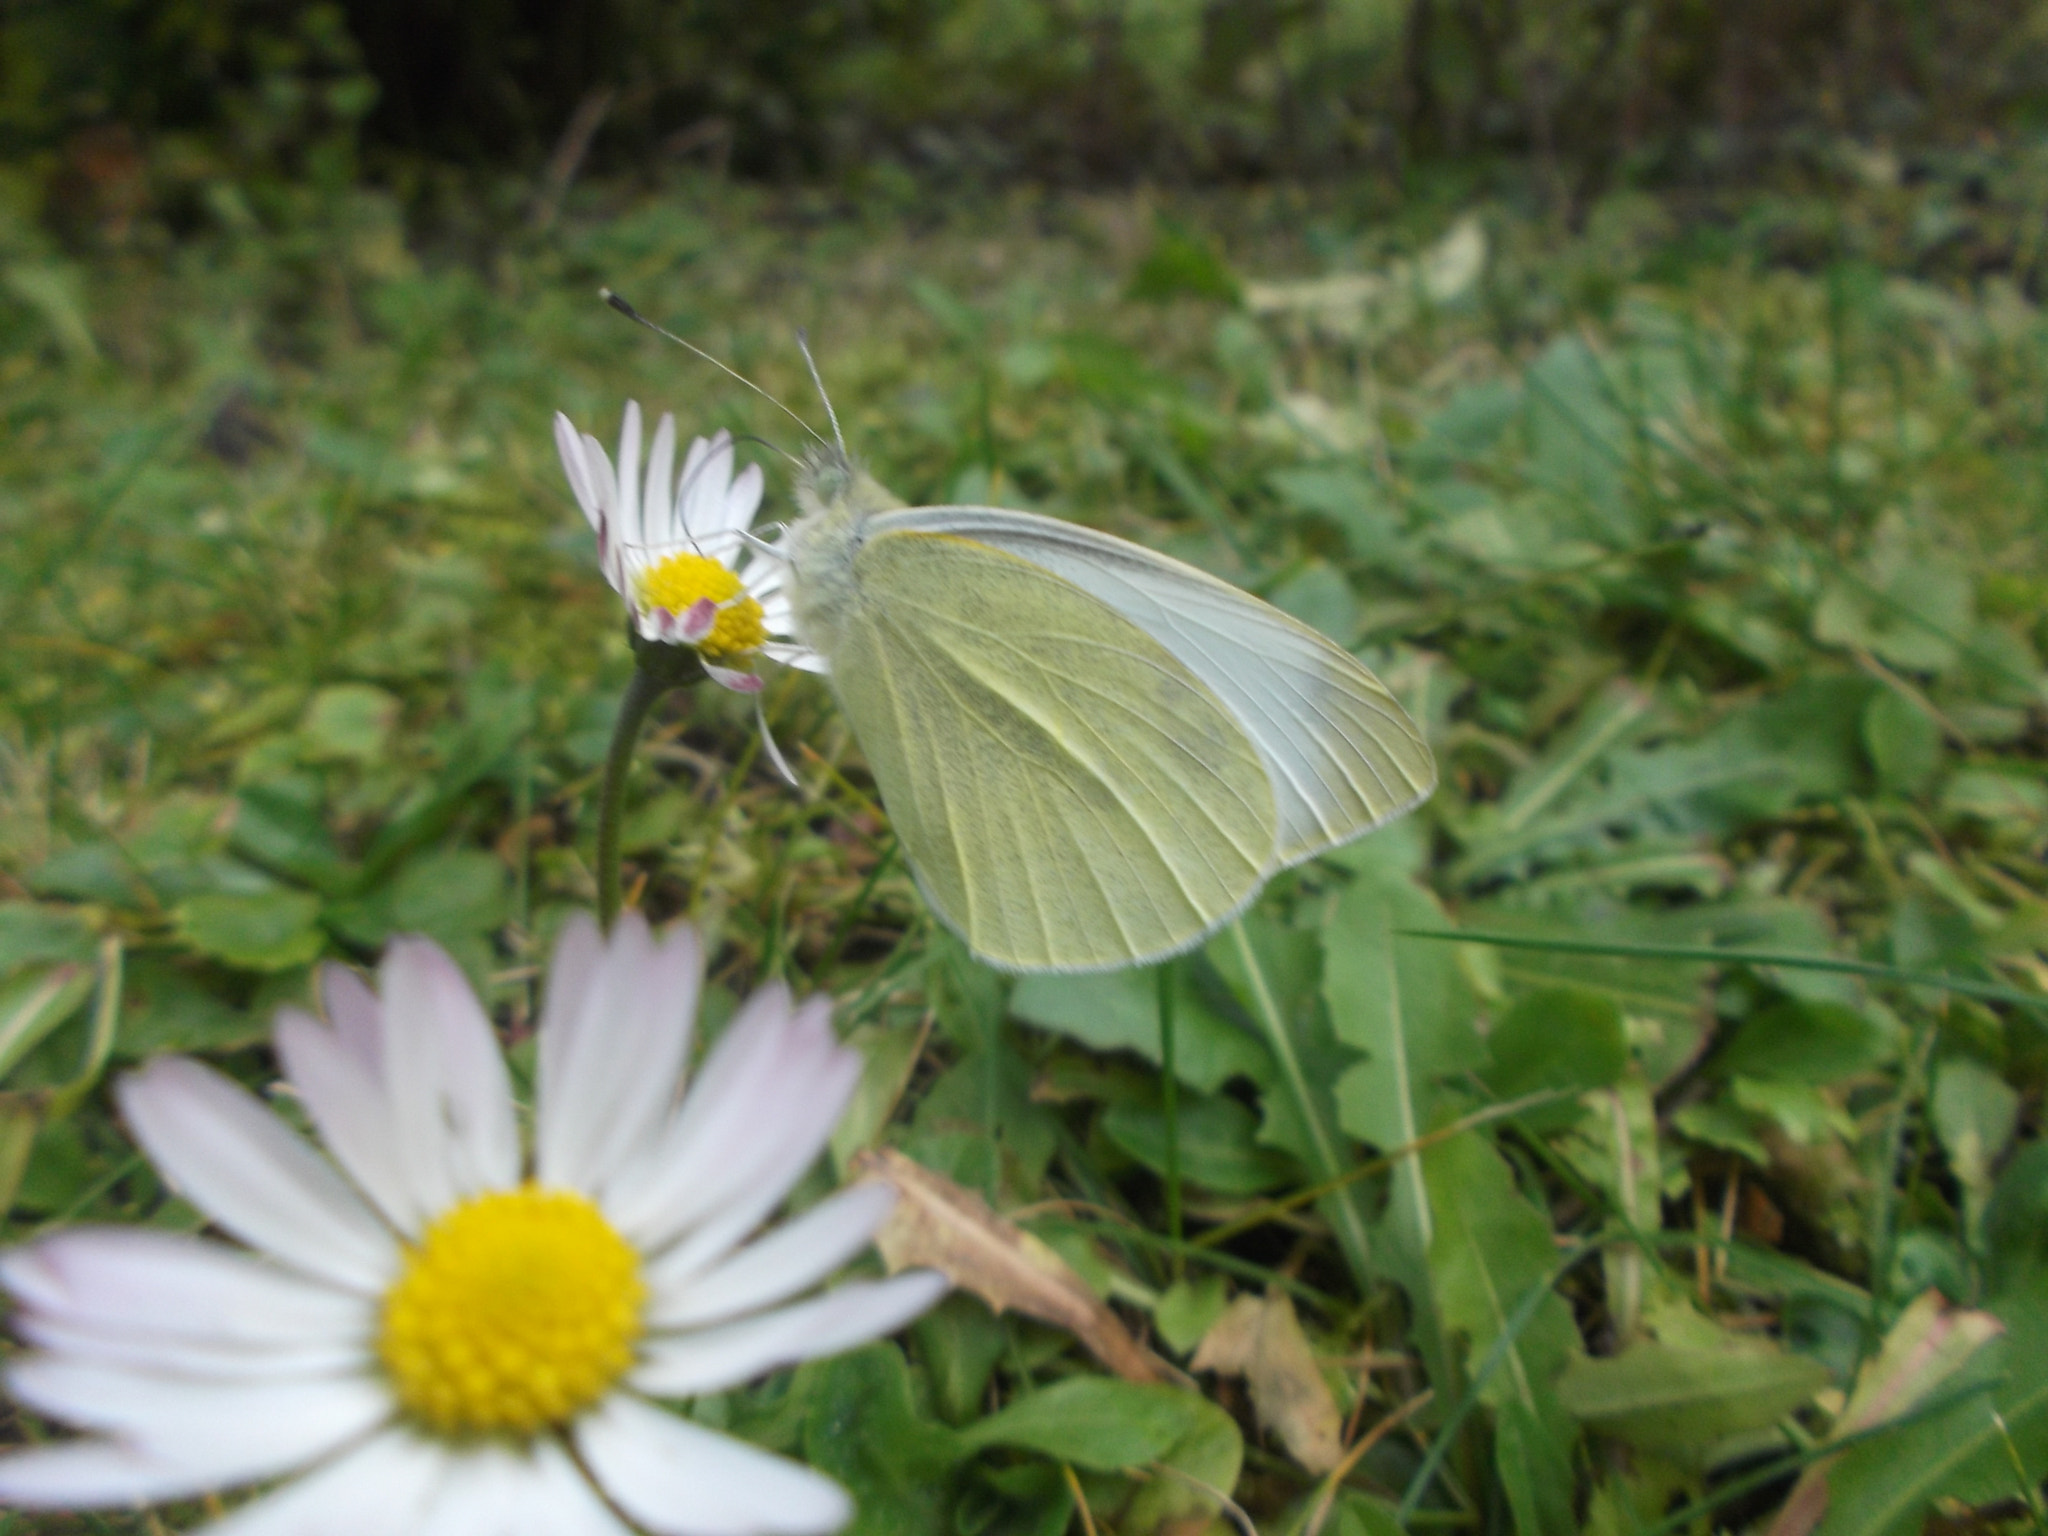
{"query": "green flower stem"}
(660, 668)
(1169, 1089)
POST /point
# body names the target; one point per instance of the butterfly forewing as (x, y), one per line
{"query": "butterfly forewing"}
(1070, 794)
(1341, 754)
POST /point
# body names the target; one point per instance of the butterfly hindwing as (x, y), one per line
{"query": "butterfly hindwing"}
(1070, 794)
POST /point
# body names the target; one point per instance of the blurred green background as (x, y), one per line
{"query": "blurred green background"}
(1093, 91)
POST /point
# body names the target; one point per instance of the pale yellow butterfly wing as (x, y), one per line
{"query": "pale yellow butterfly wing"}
(1341, 754)
(1070, 795)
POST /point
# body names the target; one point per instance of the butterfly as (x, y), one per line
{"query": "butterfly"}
(1093, 755)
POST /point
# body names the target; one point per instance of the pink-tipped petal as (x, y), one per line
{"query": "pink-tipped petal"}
(697, 620)
(737, 681)
(237, 1162)
(675, 1478)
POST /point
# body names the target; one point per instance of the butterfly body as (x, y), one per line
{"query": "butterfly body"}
(1092, 754)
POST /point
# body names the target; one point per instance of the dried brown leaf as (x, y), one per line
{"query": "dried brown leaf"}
(938, 1225)
(1260, 1339)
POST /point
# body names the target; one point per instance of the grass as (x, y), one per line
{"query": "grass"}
(1707, 545)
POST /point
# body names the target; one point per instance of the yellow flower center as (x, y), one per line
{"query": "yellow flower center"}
(518, 1309)
(681, 581)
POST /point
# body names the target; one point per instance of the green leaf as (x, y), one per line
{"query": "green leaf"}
(1904, 744)
(32, 932)
(2017, 798)
(1662, 1001)
(165, 1007)
(1210, 1455)
(1911, 605)
(1975, 1113)
(280, 826)
(1807, 1042)
(1557, 1038)
(258, 933)
(1274, 974)
(1408, 1007)
(1093, 1421)
(1661, 1398)
(1886, 1485)
(1492, 1249)
(33, 1005)
(1218, 1143)
(1187, 1308)
(349, 722)
(1321, 598)
(1119, 1010)
(863, 1428)
(959, 1342)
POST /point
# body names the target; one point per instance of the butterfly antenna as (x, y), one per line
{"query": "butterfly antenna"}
(637, 318)
(803, 345)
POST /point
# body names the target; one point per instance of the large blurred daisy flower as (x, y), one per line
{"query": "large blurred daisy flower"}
(431, 1331)
(676, 546)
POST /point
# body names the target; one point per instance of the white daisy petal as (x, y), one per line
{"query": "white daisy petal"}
(569, 444)
(676, 1478)
(792, 1258)
(801, 656)
(724, 1173)
(630, 1033)
(690, 488)
(142, 1282)
(744, 499)
(94, 1474)
(345, 1097)
(385, 1484)
(236, 1161)
(221, 1433)
(712, 1359)
(451, 1097)
(658, 500)
(354, 1012)
(496, 1490)
(610, 540)
(210, 1359)
(651, 1201)
(632, 529)
(572, 971)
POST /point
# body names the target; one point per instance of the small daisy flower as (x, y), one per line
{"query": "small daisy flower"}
(432, 1330)
(676, 547)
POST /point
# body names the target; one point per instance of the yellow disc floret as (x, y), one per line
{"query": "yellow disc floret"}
(681, 581)
(517, 1310)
